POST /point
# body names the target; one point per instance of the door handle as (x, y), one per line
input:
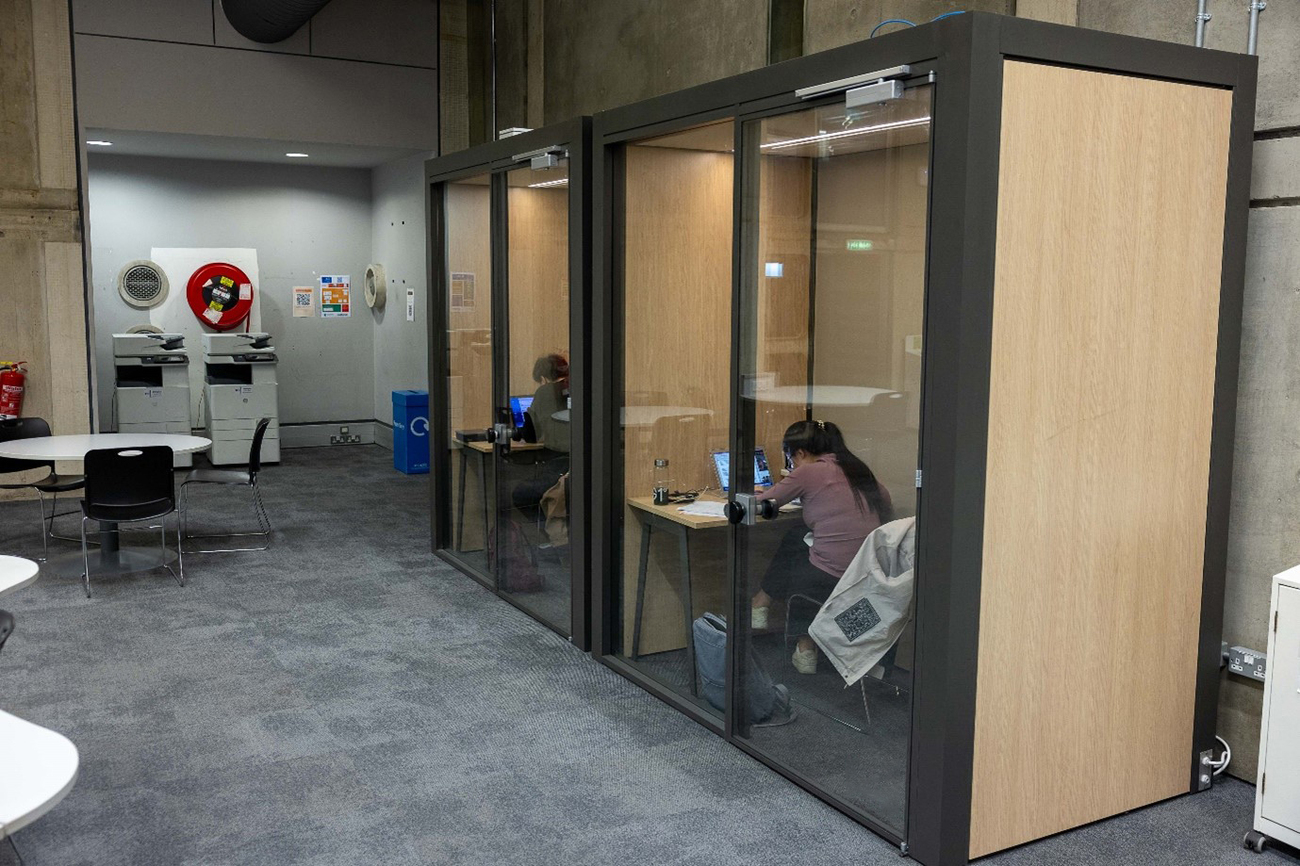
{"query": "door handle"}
(735, 513)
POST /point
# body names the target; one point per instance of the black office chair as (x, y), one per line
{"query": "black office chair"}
(128, 485)
(238, 477)
(53, 483)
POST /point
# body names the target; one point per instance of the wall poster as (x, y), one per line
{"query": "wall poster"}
(336, 296)
(462, 291)
(304, 301)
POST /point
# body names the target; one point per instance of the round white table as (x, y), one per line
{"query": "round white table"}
(819, 395)
(112, 559)
(16, 572)
(39, 768)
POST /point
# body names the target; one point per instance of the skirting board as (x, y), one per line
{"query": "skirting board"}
(318, 434)
(384, 435)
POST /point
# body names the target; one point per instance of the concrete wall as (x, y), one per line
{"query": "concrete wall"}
(303, 221)
(601, 55)
(170, 66)
(1265, 538)
(42, 291)
(831, 23)
(398, 242)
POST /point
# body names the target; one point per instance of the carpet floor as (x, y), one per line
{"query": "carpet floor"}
(345, 698)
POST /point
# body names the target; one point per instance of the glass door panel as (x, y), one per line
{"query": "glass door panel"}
(833, 290)
(533, 468)
(674, 394)
(467, 210)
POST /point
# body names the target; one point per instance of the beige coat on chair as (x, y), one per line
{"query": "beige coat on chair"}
(870, 606)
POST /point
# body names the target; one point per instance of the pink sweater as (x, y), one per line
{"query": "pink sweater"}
(831, 511)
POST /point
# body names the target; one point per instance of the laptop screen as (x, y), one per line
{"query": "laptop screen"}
(518, 406)
(722, 464)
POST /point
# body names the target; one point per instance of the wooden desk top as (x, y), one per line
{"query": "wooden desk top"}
(486, 447)
(692, 521)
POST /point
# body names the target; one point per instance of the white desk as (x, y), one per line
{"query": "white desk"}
(39, 768)
(112, 559)
(817, 395)
(74, 447)
(15, 573)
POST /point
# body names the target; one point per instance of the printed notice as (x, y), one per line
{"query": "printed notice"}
(462, 291)
(335, 296)
(410, 305)
(304, 301)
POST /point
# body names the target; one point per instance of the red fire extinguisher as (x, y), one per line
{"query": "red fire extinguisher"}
(13, 378)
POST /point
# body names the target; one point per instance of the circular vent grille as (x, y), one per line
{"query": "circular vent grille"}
(144, 329)
(142, 284)
(376, 286)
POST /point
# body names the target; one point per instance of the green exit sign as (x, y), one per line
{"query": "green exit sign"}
(858, 245)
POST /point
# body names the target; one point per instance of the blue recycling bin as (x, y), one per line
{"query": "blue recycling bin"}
(411, 432)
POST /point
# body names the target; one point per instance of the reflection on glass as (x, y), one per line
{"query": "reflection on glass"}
(534, 565)
(834, 281)
(677, 246)
(467, 212)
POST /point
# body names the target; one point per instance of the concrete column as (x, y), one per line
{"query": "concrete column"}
(42, 284)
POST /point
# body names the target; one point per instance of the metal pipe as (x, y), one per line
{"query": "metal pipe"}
(1202, 18)
(1252, 43)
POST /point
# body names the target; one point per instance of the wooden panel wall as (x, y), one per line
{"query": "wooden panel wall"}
(469, 251)
(785, 238)
(42, 287)
(677, 353)
(539, 280)
(1110, 233)
(869, 302)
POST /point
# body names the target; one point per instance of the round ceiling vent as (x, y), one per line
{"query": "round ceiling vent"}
(142, 284)
(376, 286)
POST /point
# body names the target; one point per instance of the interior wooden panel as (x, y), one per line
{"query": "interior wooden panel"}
(784, 238)
(469, 251)
(469, 336)
(1110, 235)
(539, 280)
(677, 280)
(869, 303)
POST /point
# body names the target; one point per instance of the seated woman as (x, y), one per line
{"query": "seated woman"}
(842, 504)
(540, 426)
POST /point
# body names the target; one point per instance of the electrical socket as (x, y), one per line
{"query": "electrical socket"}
(1246, 662)
(346, 439)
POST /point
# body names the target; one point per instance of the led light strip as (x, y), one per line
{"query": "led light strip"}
(564, 181)
(845, 133)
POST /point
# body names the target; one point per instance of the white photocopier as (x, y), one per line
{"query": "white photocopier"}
(239, 389)
(152, 385)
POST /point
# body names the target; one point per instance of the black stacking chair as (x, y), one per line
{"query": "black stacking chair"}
(53, 483)
(126, 485)
(238, 478)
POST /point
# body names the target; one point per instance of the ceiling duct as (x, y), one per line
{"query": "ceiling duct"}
(270, 20)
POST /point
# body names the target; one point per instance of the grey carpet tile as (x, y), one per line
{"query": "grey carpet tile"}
(344, 697)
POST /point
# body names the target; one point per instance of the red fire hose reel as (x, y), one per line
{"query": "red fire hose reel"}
(221, 295)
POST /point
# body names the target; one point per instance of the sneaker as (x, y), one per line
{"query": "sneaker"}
(758, 618)
(805, 661)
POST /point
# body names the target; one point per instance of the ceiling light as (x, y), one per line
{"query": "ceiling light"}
(844, 133)
(297, 155)
(564, 181)
(96, 142)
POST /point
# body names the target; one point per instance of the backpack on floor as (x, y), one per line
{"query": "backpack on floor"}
(769, 703)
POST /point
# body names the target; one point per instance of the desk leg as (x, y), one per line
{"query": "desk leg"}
(460, 505)
(687, 607)
(646, 529)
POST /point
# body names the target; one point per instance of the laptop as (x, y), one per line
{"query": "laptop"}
(722, 465)
(518, 408)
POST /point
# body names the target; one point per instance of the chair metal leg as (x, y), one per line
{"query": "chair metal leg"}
(45, 543)
(85, 557)
(259, 512)
(180, 555)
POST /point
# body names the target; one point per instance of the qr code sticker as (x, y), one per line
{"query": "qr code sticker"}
(858, 620)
